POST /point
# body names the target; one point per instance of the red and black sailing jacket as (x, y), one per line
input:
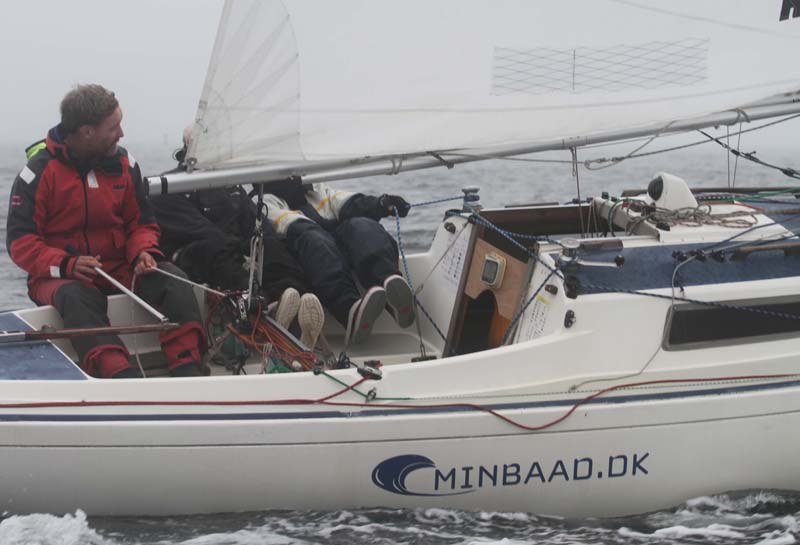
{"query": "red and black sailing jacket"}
(59, 206)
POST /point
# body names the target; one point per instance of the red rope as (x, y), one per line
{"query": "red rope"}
(325, 400)
(264, 336)
(569, 412)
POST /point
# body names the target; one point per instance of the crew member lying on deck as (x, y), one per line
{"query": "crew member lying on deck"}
(78, 206)
(207, 233)
(334, 234)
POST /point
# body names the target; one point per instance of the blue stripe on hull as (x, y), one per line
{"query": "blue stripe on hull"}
(731, 390)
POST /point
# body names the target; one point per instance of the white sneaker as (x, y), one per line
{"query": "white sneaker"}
(363, 314)
(288, 305)
(311, 318)
(400, 300)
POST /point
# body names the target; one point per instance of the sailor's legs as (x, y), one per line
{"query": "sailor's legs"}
(374, 257)
(176, 300)
(325, 265)
(81, 305)
(217, 261)
(372, 252)
(281, 270)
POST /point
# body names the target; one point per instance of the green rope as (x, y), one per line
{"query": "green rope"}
(362, 394)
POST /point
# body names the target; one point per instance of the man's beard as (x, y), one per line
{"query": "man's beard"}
(105, 151)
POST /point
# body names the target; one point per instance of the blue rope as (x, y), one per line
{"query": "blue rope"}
(510, 236)
(408, 274)
(601, 287)
(437, 201)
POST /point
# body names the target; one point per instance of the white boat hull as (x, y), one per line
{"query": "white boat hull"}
(606, 460)
(594, 409)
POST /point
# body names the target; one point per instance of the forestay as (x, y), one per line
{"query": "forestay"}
(296, 81)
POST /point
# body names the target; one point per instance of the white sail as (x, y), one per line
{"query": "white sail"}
(299, 81)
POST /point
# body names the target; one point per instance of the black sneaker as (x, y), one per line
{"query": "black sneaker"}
(363, 314)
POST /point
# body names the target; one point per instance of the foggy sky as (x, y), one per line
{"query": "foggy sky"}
(152, 53)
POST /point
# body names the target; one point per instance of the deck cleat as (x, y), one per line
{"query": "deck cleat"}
(371, 370)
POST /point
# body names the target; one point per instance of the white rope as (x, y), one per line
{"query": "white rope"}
(617, 160)
(186, 280)
(135, 337)
(133, 317)
(695, 217)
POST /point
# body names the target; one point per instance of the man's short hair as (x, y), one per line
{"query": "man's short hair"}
(86, 105)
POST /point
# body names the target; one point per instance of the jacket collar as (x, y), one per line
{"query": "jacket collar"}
(58, 149)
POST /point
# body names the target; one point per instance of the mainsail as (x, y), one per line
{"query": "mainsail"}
(297, 87)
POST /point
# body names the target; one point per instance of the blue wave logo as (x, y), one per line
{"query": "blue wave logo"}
(391, 475)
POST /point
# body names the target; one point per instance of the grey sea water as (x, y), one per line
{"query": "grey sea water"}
(765, 517)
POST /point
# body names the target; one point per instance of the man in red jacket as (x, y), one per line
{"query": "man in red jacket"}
(80, 204)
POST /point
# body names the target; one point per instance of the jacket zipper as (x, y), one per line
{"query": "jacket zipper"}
(86, 214)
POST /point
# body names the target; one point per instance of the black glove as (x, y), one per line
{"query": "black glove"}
(390, 203)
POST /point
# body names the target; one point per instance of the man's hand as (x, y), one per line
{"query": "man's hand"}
(84, 267)
(390, 203)
(145, 264)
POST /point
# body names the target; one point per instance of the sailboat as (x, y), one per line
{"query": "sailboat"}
(609, 356)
